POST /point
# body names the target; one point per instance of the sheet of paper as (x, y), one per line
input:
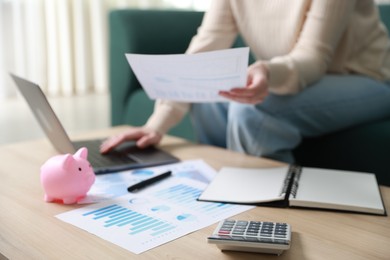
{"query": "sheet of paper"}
(155, 215)
(191, 77)
(256, 185)
(338, 189)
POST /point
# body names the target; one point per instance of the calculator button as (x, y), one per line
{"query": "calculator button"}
(225, 228)
(281, 228)
(254, 226)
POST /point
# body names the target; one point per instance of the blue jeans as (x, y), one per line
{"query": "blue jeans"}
(273, 128)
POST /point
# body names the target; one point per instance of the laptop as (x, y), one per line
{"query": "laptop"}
(126, 156)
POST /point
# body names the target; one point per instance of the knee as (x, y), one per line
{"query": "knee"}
(244, 124)
(254, 131)
(209, 122)
(242, 117)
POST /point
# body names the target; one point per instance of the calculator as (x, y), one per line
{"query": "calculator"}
(251, 236)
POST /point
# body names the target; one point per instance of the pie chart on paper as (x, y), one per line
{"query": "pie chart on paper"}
(160, 208)
(186, 217)
(141, 173)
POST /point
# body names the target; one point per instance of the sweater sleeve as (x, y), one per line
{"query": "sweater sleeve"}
(166, 114)
(325, 23)
(217, 31)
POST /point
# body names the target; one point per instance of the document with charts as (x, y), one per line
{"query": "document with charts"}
(191, 77)
(156, 215)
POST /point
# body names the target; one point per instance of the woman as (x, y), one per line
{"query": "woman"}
(321, 66)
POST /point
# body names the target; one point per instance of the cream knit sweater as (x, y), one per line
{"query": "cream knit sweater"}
(298, 40)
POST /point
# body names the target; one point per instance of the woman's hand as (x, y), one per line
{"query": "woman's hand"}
(143, 136)
(256, 89)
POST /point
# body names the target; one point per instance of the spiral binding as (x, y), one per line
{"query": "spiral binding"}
(290, 185)
(297, 175)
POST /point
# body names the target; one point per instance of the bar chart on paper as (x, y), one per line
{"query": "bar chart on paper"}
(148, 219)
(121, 217)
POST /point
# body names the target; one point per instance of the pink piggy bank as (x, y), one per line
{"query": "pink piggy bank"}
(67, 177)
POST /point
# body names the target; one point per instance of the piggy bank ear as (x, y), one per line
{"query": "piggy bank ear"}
(82, 153)
(67, 161)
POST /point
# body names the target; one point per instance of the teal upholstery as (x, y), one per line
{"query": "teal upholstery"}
(362, 148)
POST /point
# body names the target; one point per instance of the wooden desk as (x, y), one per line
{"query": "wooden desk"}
(29, 230)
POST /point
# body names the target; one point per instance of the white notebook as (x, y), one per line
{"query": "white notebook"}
(297, 186)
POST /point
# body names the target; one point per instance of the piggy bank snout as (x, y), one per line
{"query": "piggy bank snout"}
(87, 175)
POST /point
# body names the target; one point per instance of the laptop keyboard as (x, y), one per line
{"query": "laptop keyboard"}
(97, 159)
(104, 160)
(126, 156)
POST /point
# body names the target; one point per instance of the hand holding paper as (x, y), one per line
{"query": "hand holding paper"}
(191, 77)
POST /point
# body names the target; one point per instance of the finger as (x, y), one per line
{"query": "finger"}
(148, 140)
(246, 100)
(114, 141)
(251, 101)
(235, 95)
(110, 143)
(245, 92)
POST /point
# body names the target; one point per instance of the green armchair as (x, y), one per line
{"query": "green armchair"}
(362, 148)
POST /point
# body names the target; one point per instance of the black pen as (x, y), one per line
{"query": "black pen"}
(147, 182)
